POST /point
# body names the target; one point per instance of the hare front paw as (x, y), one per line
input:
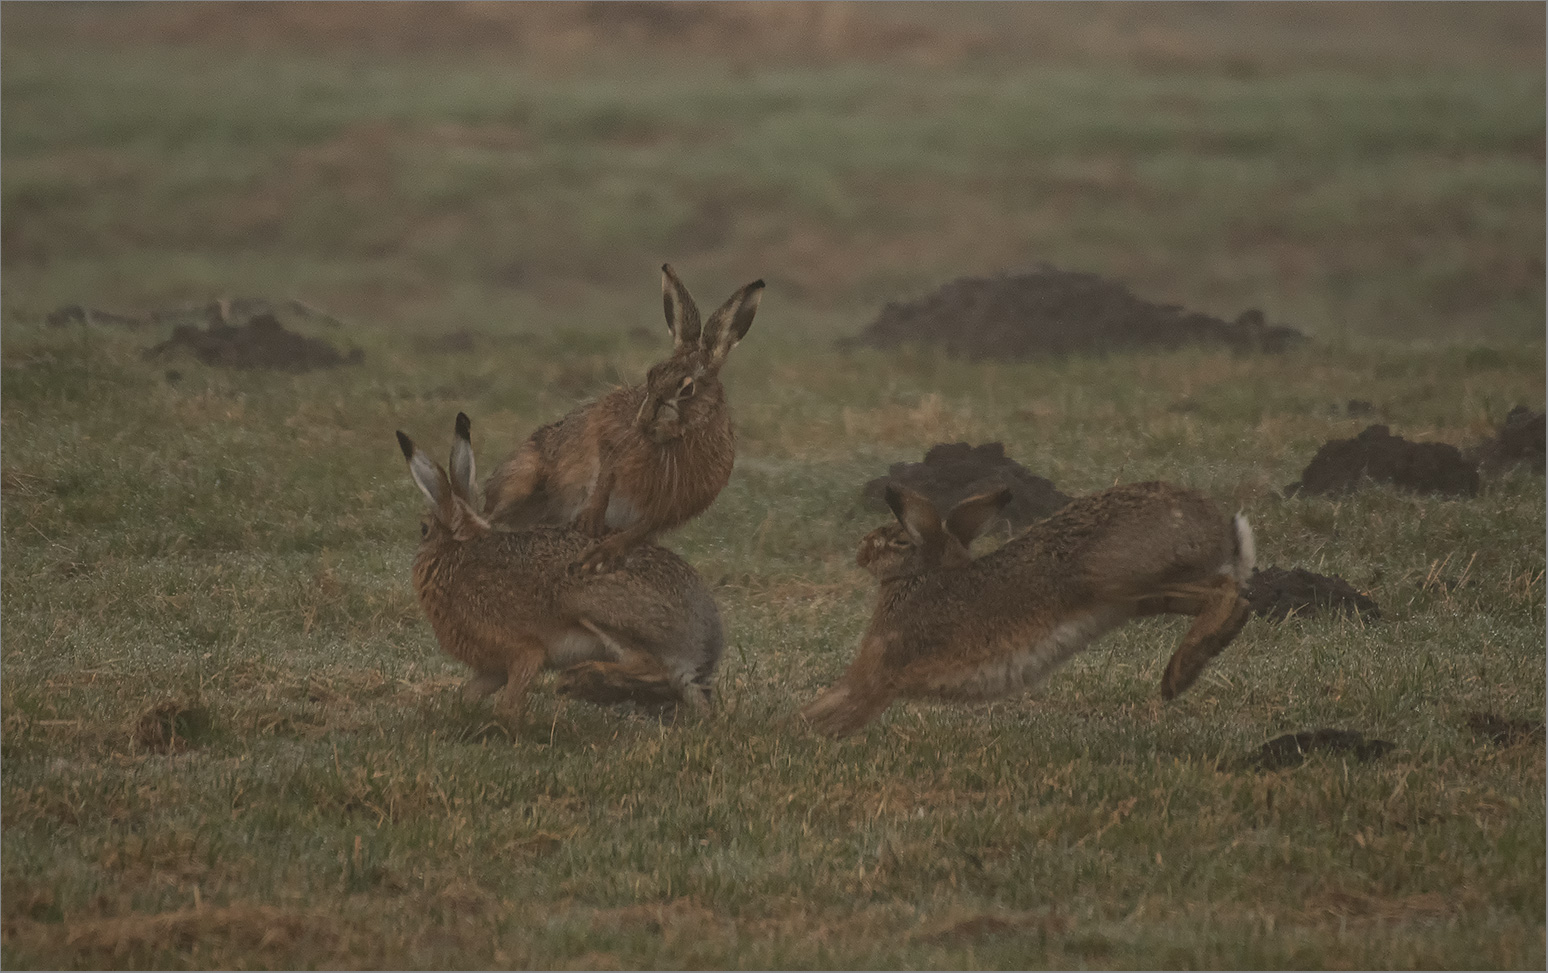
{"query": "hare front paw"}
(601, 559)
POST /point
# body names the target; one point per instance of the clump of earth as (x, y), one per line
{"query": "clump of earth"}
(1291, 750)
(1276, 594)
(260, 343)
(952, 472)
(172, 725)
(1522, 438)
(1050, 313)
(1343, 465)
(221, 311)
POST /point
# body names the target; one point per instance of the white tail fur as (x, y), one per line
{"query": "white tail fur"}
(1246, 549)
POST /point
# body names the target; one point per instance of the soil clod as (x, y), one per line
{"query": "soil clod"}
(1051, 313)
(1277, 593)
(260, 343)
(952, 472)
(1344, 465)
(1523, 438)
(1292, 749)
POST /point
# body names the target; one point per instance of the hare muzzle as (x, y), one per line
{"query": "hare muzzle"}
(870, 548)
(664, 425)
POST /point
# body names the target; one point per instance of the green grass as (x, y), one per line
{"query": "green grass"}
(238, 544)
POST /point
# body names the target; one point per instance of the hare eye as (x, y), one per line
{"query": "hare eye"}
(424, 529)
(899, 542)
(685, 390)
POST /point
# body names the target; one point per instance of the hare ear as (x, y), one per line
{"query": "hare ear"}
(462, 467)
(730, 322)
(682, 315)
(429, 477)
(969, 518)
(917, 515)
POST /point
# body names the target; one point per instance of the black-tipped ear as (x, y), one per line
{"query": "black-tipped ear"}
(917, 515)
(461, 465)
(430, 479)
(682, 314)
(729, 324)
(969, 518)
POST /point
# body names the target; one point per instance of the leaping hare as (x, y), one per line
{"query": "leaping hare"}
(506, 604)
(644, 458)
(950, 627)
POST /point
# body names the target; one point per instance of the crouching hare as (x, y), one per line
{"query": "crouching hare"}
(506, 604)
(642, 459)
(950, 627)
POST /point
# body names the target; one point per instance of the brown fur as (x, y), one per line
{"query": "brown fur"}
(642, 459)
(504, 603)
(949, 627)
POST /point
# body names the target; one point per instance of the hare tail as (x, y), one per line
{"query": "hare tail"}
(1246, 549)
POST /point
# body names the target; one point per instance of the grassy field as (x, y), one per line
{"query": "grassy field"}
(227, 553)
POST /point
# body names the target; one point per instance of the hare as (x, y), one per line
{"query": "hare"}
(505, 603)
(951, 627)
(644, 458)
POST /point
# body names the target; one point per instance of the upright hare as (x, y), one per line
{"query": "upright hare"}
(950, 627)
(506, 604)
(644, 458)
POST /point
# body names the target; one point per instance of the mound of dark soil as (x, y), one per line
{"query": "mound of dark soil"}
(1292, 749)
(1343, 465)
(1049, 313)
(952, 472)
(223, 311)
(260, 343)
(1522, 439)
(1276, 594)
(1506, 732)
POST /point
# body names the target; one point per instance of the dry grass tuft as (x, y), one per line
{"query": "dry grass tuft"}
(263, 933)
(932, 420)
(984, 925)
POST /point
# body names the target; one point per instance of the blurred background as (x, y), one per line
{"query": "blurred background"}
(1352, 169)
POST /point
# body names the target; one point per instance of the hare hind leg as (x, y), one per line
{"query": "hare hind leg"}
(860, 695)
(1219, 611)
(607, 683)
(481, 684)
(525, 662)
(632, 675)
(843, 709)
